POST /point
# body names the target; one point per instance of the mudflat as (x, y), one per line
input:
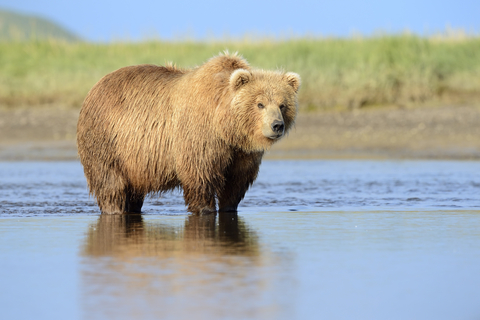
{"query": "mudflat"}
(440, 132)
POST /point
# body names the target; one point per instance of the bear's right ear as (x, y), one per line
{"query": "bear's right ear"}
(239, 78)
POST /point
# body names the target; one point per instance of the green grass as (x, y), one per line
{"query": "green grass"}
(336, 73)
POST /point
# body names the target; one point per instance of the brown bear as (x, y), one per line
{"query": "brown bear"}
(148, 129)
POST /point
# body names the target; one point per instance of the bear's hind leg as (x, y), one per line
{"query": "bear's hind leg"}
(134, 202)
(111, 203)
(199, 201)
(111, 193)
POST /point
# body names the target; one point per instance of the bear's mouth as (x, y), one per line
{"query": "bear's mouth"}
(275, 136)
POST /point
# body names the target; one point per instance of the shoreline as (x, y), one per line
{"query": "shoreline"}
(441, 132)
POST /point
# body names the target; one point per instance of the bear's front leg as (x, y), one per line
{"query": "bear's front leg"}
(200, 201)
(200, 170)
(240, 175)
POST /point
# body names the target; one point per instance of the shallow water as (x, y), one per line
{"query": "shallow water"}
(312, 240)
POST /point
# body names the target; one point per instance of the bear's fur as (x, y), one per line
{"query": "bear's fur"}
(147, 128)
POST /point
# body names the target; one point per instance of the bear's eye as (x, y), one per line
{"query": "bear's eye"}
(282, 107)
(261, 106)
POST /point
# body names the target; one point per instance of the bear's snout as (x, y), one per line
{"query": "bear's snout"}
(274, 130)
(273, 125)
(278, 127)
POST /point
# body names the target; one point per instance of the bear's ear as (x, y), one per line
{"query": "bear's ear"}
(239, 78)
(293, 80)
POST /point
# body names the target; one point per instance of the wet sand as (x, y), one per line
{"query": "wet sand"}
(441, 132)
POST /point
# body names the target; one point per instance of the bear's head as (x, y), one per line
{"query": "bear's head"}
(263, 107)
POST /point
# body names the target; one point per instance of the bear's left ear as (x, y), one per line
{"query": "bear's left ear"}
(239, 78)
(293, 79)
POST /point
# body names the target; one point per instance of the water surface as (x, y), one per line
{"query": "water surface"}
(312, 240)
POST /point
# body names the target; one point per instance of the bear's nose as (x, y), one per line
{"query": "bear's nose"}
(278, 126)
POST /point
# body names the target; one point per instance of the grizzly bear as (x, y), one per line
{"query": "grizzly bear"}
(148, 129)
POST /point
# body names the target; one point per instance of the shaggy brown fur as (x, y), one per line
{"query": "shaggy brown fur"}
(149, 128)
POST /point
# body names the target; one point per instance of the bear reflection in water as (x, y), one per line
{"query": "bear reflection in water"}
(130, 235)
(135, 267)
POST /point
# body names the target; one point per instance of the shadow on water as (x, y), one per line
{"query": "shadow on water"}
(173, 270)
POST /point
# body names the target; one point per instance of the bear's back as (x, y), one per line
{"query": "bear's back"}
(131, 86)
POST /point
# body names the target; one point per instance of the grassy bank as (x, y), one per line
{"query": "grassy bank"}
(336, 73)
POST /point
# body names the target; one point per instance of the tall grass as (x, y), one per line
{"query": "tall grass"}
(347, 73)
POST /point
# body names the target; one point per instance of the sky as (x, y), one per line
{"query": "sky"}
(97, 20)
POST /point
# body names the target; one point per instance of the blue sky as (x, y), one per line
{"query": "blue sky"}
(137, 20)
